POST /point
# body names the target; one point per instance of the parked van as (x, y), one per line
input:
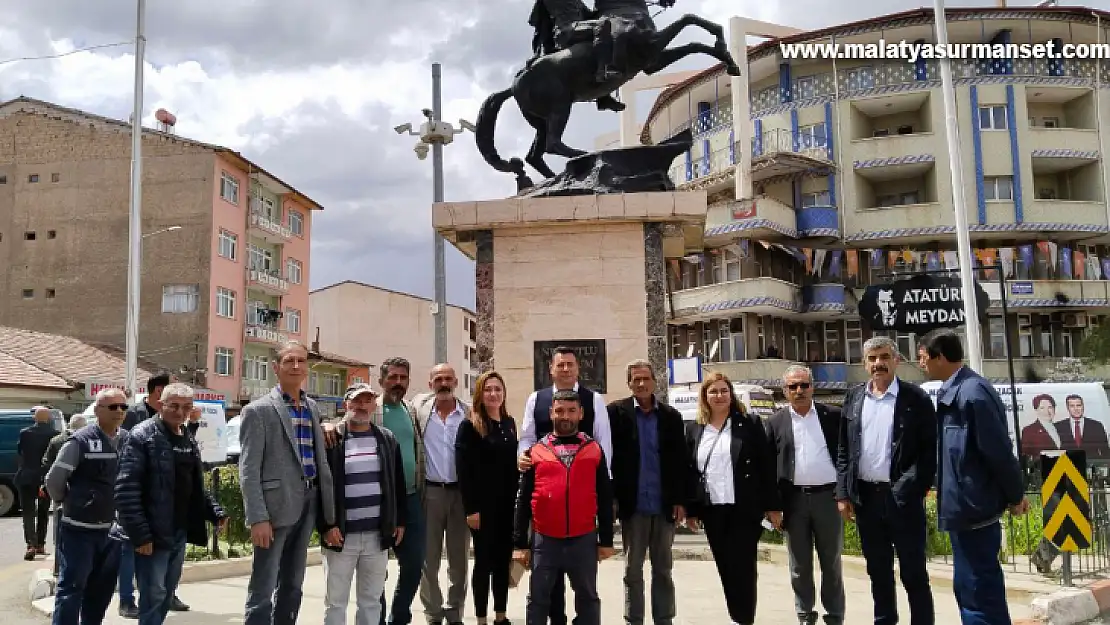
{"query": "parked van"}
(12, 422)
(755, 398)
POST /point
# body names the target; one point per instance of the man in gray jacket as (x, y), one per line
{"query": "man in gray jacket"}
(286, 482)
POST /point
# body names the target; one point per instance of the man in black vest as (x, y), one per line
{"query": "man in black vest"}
(31, 447)
(806, 437)
(83, 479)
(537, 424)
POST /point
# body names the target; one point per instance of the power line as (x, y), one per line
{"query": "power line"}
(64, 54)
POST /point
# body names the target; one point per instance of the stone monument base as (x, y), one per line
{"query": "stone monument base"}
(587, 271)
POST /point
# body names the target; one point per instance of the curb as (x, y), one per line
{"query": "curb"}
(1071, 606)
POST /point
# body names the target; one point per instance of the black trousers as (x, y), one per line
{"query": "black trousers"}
(887, 528)
(733, 534)
(556, 558)
(36, 515)
(493, 555)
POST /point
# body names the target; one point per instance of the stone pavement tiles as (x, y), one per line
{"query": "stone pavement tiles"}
(700, 600)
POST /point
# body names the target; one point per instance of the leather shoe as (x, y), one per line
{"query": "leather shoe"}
(177, 605)
(129, 611)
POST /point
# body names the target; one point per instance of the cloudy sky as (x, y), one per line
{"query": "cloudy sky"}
(312, 90)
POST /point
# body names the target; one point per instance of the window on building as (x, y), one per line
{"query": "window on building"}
(726, 266)
(861, 78)
(710, 348)
(28, 293)
(50, 293)
(992, 118)
(676, 343)
(819, 198)
(52, 234)
(293, 320)
(256, 368)
(259, 259)
(225, 361)
(997, 336)
(736, 338)
(229, 245)
(180, 298)
(1051, 122)
(998, 188)
(1025, 336)
(33, 178)
(225, 302)
(313, 382)
(229, 188)
(813, 136)
(293, 269)
(296, 223)
(473, 331)
(805, 87)
(55, 177)
(333, 384)
(264, 206)
(29, 236)
(853, 338)
(3, 180)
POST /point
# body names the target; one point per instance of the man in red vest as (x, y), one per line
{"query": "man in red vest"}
(567, 497)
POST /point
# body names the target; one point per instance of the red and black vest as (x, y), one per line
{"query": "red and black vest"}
(564, 500)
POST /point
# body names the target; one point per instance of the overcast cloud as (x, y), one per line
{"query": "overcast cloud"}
(312, 91)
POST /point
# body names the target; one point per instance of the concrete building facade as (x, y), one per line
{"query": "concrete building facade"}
(370, 324)
(226, 251)
(826, 176)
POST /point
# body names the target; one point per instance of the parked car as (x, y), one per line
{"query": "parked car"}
(232, 434)
(11, 423)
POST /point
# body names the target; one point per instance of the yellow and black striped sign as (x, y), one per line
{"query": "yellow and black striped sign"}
(1067, 502)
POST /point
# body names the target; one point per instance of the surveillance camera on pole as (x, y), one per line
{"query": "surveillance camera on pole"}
(435, 133)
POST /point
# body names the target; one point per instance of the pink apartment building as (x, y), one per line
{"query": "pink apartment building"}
(226, 250)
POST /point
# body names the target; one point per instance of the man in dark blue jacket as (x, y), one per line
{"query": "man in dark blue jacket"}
(979, 479)
(161, 501)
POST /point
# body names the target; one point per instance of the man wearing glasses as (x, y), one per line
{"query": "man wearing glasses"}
(83, 480)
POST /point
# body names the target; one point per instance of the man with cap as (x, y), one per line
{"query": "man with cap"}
(369, 482)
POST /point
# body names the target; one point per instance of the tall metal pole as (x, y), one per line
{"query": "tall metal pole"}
(955, 160)
(135, 248)
(437, 196)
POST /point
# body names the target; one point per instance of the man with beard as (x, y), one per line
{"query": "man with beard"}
(440, 415)
(399, 417)
(885, 467)
(369, 480)
(567, 497)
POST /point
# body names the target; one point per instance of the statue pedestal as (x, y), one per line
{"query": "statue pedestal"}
(587, 271)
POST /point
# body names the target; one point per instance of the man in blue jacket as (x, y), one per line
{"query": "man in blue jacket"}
(161, 501)
(979, 479)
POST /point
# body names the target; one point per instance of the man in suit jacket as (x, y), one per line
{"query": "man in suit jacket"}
(885, 467)
(285, 483)
(650, 468)
(439, 415)
(805, 436)
(30, 449)
(1041, 434)
(1081, 432)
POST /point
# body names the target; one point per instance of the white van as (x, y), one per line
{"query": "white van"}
(755, 398)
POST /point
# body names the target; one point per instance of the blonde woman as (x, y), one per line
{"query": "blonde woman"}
(485, 457)
(734, 489)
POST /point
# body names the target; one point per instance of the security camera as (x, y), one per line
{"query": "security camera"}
(427, 113)
(467, 125)
(421, 150)
(403, 128)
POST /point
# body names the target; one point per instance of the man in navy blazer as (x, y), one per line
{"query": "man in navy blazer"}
(979, 479)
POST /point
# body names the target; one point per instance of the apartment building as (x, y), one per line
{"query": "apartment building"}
(827, 176)
(225, 245)
(370, 324)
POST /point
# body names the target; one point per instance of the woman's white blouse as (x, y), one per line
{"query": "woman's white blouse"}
(718, 470)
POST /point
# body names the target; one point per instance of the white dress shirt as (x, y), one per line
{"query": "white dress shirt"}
(439, 445)
(602, 433)
(877, 429)
(812, 462)
(718, 466)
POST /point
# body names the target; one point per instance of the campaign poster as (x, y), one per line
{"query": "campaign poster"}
(210, 435)
(1056, 417)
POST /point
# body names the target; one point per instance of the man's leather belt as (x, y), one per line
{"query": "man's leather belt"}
(815, 489)
(441, 484)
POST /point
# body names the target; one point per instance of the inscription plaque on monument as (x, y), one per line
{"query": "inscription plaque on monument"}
(591, 362)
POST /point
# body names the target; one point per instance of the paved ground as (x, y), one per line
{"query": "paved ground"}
(11, 540)
(699, 598)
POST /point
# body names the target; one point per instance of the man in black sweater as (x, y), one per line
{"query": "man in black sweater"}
(31, 448)
(567, 497)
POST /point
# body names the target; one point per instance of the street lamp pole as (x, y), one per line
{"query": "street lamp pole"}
(434, 134)
(955, 161)
(134, 249)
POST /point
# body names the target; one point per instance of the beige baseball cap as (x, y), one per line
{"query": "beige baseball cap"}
(355, 390)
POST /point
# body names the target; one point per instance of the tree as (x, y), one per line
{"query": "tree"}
(1096, 344)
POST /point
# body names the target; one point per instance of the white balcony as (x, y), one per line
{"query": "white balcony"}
(764, 296)
(272, 231)
(271, 283)
(264, 334)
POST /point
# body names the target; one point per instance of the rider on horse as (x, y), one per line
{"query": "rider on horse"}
(560, 24)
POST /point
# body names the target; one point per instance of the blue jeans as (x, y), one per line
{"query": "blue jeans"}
(977, 579)
(126, 573)
(158, 576)
(410, 560)
(89, 564)
(277, 574)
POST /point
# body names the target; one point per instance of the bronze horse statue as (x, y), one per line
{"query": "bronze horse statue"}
(548, 86)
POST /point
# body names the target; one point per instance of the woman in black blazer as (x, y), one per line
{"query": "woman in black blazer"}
(734, 489)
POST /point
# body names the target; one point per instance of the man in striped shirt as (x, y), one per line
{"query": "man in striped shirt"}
(369, 478)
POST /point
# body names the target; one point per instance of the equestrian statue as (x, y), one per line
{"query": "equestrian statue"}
(584, 55)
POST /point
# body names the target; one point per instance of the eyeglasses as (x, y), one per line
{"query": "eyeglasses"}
(798, 385)
(115, 407)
